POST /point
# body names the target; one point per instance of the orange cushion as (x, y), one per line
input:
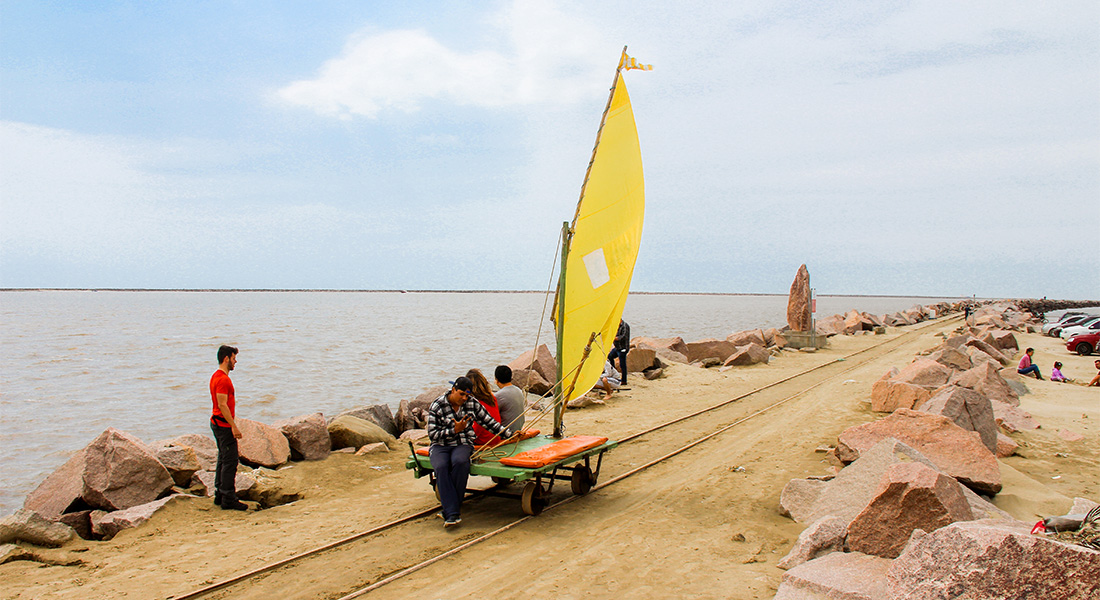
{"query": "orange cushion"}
(523, 435)
(551, 453)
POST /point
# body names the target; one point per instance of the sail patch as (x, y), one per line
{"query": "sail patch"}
(596, 266)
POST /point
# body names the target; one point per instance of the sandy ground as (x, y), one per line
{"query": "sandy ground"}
(704, 524)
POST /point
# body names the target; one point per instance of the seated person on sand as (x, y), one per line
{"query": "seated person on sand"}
(484, 395)
(609, 381)
(1096, 380)
(1026, 368)
(510, 399)
(1056, 373)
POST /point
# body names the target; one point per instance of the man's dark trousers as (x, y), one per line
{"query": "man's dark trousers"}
(225, 474)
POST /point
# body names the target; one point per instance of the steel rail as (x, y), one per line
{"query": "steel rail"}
(430, 511)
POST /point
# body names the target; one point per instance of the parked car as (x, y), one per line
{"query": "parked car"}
(1083, 343)
(1054, 328)
(1091, 325)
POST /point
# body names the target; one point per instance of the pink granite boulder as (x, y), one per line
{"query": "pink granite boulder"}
(640, 359)
(968, 409)
(307, 436)
(952, 358)
(990, 350)
(888, 395)
(30, 527)
(983, 559)
(106, 525)
(1006, 446)
(985, 378)
(204, 480)
(954, 450)
(837, 575)
(799, 314)
(261, 444)
(115, 471)
(709, 348)
(744, 338)
(206, 449)
(823, 536)
(180, 461)
(531, 382)
(539, 360)
(924, 372)
(675, 344)
(752, 354)
(910, 496)
(1013, 419)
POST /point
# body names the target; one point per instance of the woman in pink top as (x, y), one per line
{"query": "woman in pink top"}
(1026, 368)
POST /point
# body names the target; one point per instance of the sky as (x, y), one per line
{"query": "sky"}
(897, 148)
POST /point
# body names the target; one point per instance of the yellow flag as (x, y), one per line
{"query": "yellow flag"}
(632, 63)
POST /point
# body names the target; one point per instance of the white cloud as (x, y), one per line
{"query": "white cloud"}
(550, 59)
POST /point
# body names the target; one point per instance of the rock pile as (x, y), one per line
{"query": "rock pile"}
(904, 518)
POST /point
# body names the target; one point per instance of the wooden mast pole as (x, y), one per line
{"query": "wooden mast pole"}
(566, 238)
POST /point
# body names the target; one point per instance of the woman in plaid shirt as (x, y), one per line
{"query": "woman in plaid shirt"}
(449, 420)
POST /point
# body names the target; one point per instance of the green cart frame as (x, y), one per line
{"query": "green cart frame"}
(576, 468)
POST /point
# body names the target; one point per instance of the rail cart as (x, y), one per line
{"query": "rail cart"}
(575, 467)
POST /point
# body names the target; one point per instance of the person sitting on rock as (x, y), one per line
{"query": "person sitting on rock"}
(449, 419)
(1026, 368)
(1056, 373)
(484, 394)
(609, 381)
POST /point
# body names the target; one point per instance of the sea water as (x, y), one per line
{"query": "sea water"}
(73, 363)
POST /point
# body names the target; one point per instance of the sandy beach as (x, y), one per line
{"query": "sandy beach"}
(703, 524)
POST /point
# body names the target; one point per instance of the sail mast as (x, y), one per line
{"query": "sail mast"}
(567, 233)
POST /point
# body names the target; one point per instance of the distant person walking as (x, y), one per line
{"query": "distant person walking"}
(621, 346)
(224, 425)
(511, 400)
(1026, 367)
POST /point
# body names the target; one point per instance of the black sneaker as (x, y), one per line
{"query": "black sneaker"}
(234, 505)
(217, 499)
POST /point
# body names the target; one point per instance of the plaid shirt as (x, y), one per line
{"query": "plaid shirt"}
(441, 418)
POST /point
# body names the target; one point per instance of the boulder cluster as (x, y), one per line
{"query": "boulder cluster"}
(908, 516)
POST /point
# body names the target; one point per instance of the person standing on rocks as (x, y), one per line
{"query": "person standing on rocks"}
(621, 346)
(224, 425)
(1026, 367)
(449, 428)
(510, 399)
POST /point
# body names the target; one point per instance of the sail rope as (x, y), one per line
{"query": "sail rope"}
(542, 317)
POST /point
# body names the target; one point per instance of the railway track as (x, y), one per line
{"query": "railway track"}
(354, 552)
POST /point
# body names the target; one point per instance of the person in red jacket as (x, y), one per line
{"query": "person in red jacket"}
(224, 425)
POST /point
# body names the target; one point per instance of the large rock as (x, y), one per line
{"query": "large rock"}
(271, 489)
(983, 559)
(379, 414)
(954, 450)
(1013, 418)
(799, 498)
(836, 576)
(924, 372)
(242, 483)
(990, 350)
(910, 496)
(709, 348)
(206, 449)
(888, 395)
(1004, 341)
(855, 321)
(674, 344)
(968, 409)
(752, 354)
(799, 313)
(114, 472)
(744, 338)
(985, 378)
(307, 436)
(952, 358)
(1006, 446)
(261, 444)
(81, 523)
(413, 414)
(180, 461)
(353, 432)
(672, 356)
(823, 536)
(28, 526)
(539, 360)
(640, 359)
(107, 525)
(531, 382)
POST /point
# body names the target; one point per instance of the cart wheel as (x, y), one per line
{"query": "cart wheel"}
(533, 500)
(501, 480)
(435, 488)
(581, 480)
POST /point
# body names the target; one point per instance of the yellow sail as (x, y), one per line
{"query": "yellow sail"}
(602, 248)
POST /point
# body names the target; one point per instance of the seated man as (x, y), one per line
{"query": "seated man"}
(511, 400)
(449, 428)
(609, 381)
(1026, 368)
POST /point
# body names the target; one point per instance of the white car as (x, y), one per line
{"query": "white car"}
(1055, 327)
(1091, 325)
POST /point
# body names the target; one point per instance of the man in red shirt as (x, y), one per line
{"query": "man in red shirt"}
(226, 434)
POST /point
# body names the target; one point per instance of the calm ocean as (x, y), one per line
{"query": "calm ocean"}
(73, 363)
